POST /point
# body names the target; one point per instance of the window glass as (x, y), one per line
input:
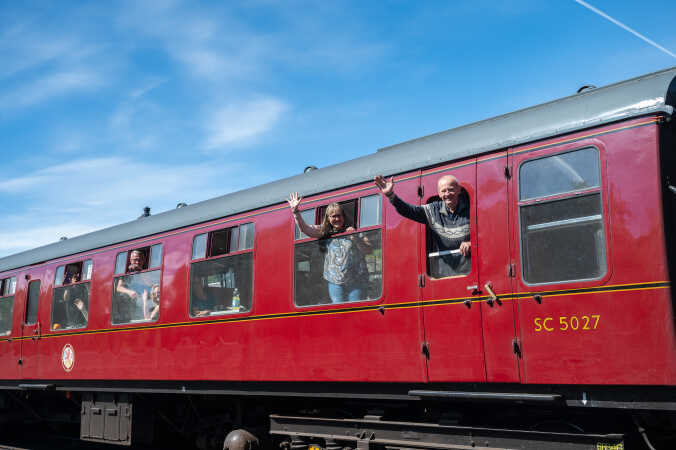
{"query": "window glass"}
(336, 270)
(12, 286)
(87, 270)
(155, 256)
(369, 211)
(563, 239)
(560, 173)
(120, 263)
(221, 286)
(70, 307)
(308, 216)
(6, 310)
(32, 303)
(58, 278)
(136, 297)
(199, 246)
(246, 236)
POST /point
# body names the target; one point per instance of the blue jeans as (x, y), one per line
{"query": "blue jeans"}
(344, 293)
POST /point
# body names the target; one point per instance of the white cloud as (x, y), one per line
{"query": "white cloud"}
(146, 87)
(237, 123)
(51, 86)
(86, 195)
(14, 241)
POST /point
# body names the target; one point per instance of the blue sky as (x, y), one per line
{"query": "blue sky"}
(106, 107)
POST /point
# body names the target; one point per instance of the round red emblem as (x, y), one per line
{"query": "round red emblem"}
(67, 357)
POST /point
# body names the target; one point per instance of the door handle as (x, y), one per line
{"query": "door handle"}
(474, 288)
(493, 298)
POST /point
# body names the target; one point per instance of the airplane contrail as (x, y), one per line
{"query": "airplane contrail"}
(621, 25)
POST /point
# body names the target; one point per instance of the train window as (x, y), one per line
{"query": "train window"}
(369, 211)
(308, 216)
(70, 306)
(222, 283)
(7, 289)
(344, 268)
(562, 239)
(443, 262)
(120, 263)
(7, 286)
(155, 256)
(136, 295)
(199, 246)
(565, 172)
(32, 302)
(87, 270)
(246, 236)
(349, 208)
(58, 276)
(70, 303)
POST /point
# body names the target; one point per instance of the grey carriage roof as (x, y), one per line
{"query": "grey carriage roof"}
(648, 94)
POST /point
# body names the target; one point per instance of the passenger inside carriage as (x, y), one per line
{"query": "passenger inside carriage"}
(132, 293)
(221, 286)
(345, 269)
(70, 308)
(447, 221)
(151, 302)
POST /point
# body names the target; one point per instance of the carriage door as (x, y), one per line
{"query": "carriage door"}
(452, 318)
(30, 332)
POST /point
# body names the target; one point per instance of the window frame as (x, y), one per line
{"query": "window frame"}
(4, 282)
(116, 276)
(601, 189)
(60, 285)
(208, 257)
(429, 239)
(319, 205)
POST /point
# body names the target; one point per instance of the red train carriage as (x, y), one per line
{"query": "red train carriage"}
(560, 335)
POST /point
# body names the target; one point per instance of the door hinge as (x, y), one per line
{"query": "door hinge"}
(508, 172)
(421, 280)
(516, 347)
(511, 270)
(421, 191)
(426, 350)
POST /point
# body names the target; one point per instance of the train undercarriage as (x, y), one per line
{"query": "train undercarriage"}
(205, 418)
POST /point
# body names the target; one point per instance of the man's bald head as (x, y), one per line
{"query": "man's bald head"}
(449, 189)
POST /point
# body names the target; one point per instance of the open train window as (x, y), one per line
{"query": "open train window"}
(136, 292)
(561, 217)
(442, 261)
(70, 302)
(221, 272)
(344, 268)
(7, 290)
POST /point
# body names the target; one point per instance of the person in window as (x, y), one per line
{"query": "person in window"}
(201, 305)
(131, 289)
(447, 220)
(344, 263)
(151, 302)
(75, 300)
(71, 274)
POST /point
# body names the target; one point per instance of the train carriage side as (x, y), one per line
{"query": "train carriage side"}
(592, 279)
(569, 288)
